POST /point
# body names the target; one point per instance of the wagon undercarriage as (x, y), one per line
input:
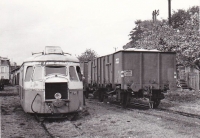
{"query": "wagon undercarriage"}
(126, 97)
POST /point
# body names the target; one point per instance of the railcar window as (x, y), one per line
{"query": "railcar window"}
(78, 70)
(37, 73)
(55, 69)
(72, 74)
(29, 72)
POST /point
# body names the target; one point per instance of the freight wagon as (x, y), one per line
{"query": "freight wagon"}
(133, 73)
(50, 82)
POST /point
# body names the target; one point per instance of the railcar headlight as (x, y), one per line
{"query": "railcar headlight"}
(57, 95)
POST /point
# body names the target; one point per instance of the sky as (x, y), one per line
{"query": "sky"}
(28, 26)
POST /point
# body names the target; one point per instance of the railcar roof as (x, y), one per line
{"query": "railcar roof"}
(141, 49)
(138, 50)
(52, 57)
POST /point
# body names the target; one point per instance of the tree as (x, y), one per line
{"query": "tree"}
(178, 18)
(87, 55)
(182, 38)
(137, 33)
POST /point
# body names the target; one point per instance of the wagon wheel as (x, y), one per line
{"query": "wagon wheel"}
(153, 103)
(105, 99)
(126, 99)
(101, 96)
(156, 103)
(105, 95)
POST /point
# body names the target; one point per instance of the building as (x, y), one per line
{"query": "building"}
(191, 77)
(5, 69)
(14, 79)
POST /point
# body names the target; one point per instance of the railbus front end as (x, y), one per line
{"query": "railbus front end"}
(51, 83)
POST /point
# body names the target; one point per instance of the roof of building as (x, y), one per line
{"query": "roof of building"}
(4, 61)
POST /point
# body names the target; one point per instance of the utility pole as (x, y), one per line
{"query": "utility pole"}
(115, 48)
(169, 10)
(155, 14)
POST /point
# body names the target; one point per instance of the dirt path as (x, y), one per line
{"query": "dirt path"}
(15, 123)
(106, 121)
(98, 120)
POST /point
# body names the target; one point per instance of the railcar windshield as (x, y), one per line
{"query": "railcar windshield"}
(37, 73)
(72, 74)
(55, 70)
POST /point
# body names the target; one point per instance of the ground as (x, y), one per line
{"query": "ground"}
(100, 120)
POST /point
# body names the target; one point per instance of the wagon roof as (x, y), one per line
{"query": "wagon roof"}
(52, 57)
(135, 50)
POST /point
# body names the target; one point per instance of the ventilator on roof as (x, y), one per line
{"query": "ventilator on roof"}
(53, 50)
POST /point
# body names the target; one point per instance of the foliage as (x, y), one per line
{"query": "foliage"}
(182, 37)
(137, 32)
(178, 18)
(87, 55)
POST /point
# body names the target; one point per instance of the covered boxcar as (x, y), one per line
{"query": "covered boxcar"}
(128, 74)
(51, 83)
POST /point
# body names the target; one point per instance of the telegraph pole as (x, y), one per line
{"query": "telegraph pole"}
(169, 10)
(115, 48)
(155, 14)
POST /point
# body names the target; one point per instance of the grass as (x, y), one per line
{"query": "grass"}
(182, 96)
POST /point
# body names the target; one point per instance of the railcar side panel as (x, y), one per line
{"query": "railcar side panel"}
(150, 69)
(107, 73)
(90, 72)
(99, 71)
(132, 69)
(94, 71)
(168, 69)
(111, 68)
(118, 68)
(102, 70)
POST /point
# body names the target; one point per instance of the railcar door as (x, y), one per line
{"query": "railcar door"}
(75, 86)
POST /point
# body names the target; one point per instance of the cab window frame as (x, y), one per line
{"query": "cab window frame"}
(74, 73)
(79, 74)
(54, 66)
(42, 73)
(30, 75)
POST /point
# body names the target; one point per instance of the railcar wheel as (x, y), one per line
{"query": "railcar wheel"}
(154, 104)
(126, 99)
(105, 99)
(101, 96)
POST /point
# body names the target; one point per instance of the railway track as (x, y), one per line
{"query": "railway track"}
(70, 118)
(139, 107)
(41, 121)
(180, 113)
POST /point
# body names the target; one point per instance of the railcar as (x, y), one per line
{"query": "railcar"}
(50, 82)
(134, 73)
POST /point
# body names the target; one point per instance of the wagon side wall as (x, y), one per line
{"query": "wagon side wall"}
(118, 68)
(144, 69)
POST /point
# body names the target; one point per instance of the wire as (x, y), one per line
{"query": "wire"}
(32, 103)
